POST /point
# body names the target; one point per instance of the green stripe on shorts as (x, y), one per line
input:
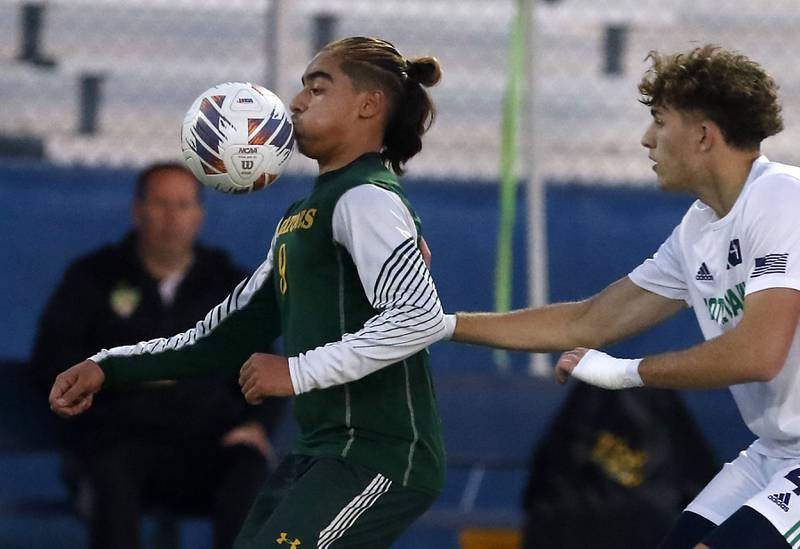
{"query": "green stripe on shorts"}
(793, 531)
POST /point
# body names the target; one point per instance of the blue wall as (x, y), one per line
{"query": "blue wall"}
(49, 215)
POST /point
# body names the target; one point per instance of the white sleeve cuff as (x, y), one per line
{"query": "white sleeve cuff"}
(449, 326)
(602, 370)
(294, 373)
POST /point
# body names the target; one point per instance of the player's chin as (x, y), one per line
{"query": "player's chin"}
(306, 149)
(664, 183)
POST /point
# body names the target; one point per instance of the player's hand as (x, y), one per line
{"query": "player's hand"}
(265, 375)
(567, 362)
(73, 390)
(599, 369)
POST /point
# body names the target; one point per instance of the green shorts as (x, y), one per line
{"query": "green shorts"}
(331, 503)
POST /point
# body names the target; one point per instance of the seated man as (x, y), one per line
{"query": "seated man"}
(194, 445)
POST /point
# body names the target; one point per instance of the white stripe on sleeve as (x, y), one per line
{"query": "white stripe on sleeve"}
(237, 300)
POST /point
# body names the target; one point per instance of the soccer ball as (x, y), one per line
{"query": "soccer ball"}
(237, 137)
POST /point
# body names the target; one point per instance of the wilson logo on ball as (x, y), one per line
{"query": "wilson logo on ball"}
(237, 137)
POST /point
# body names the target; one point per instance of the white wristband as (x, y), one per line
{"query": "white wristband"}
(602, 370)
(449, 326)
(296, 373)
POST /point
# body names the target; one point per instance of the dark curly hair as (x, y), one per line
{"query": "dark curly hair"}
(371, 61)
(727, 87)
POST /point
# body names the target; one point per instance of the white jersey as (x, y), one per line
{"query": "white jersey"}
(714, 263)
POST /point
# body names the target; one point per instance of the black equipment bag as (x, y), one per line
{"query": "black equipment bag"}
(615, 470)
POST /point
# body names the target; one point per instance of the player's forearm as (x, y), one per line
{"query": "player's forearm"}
(547, 329)
(244, 323)
(191, 354)
(754, 351)
(727, 360)
(385, 339)
(619, 311)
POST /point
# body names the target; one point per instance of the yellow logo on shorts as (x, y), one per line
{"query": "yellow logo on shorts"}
(285, 539)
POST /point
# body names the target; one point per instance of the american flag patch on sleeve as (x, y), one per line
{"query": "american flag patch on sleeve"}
(770, 264)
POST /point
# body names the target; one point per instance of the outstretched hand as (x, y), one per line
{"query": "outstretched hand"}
(73, 390)
(599, 369)
(265, 375)
(567, 362)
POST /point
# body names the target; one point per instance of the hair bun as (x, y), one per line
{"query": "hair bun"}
(425, 70)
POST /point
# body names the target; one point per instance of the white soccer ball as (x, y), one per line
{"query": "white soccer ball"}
(237, 137)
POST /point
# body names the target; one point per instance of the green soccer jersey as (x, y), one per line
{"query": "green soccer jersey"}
(346, 286)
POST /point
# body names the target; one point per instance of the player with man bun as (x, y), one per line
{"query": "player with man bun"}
(346, 285)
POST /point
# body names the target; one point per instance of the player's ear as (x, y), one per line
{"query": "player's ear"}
(373, 103)
(708, 134)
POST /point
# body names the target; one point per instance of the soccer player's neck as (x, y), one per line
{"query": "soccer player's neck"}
(724, 178)
(363, 136)
(346, 155)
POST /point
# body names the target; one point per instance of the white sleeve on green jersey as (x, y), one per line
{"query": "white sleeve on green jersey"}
(378, 231)
(237, 301)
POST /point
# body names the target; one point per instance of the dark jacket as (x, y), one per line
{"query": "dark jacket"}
(106, 299)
